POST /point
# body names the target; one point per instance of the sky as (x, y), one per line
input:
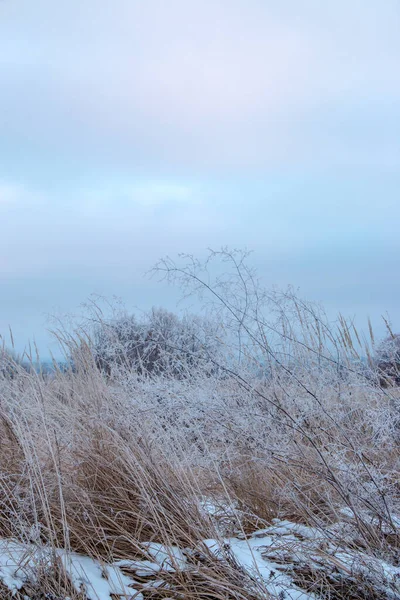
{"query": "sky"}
(135, 129)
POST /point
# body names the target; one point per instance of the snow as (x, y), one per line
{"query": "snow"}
(143, 568)
(248, 554)
(98, 581)
(269, 555)
(168, 558)
(19, 564)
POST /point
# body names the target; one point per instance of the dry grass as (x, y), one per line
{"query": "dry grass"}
(87, 466)
(99, 463)
(75, 475)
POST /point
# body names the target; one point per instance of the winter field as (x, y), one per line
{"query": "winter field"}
(251, 452)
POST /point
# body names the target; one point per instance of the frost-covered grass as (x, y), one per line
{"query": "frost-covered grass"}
(112, 469)
(268, 467)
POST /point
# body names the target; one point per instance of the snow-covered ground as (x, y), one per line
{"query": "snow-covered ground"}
(20, 565)
(273, 557)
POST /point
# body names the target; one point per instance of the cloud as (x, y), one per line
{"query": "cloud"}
(150, 193)
(132, 129)
(201, 85)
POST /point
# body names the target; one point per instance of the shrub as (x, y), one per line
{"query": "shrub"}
(159, 343)
(387, 360)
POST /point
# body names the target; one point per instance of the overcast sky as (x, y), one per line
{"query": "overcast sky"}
(133, 129)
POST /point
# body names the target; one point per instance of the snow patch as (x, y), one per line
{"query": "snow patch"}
(19, 565)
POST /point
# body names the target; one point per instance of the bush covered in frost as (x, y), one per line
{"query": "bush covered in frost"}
(387, 359)
(158, 343)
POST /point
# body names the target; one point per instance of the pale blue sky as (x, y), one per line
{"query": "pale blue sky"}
(135, 129)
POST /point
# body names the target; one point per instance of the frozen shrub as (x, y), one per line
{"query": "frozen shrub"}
(387, 360)
(159, 343)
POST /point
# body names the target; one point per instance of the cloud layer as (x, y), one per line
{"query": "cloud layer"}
(202, 85)
(134, 129)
